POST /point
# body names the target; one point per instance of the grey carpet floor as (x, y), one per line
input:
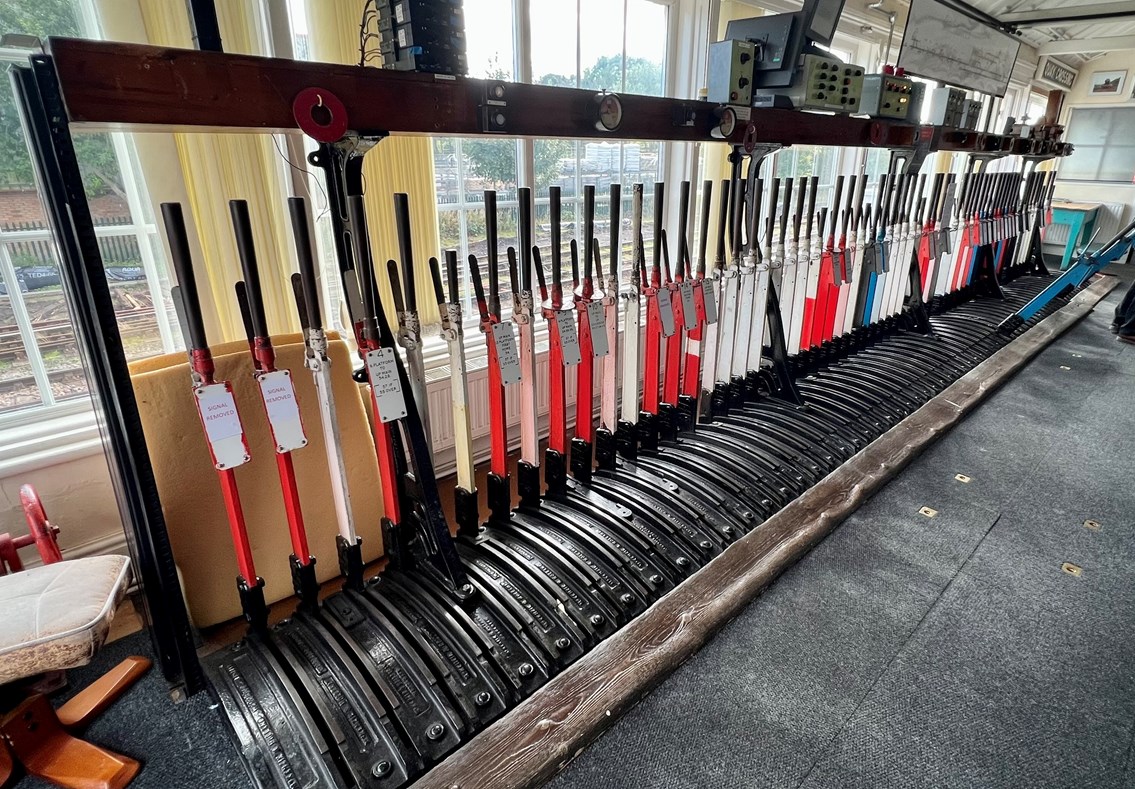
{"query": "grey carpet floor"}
(180, 745)
(952, 651)
(902, 652)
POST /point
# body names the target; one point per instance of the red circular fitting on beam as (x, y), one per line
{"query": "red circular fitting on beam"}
(878, 134)
(320, 115)
(749, 141)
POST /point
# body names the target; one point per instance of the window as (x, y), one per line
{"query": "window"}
(1105, 150)
(622, 52)
(465, 168)
(1038, 106)
(40, 366)
(1009, 108)
(877, 162)
(805, 161)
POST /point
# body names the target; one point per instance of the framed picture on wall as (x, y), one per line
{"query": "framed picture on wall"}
(1108, 83)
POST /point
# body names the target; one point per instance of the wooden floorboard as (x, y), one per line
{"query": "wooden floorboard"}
(533, 741)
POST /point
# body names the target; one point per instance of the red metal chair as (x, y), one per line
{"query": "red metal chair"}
(59, 616)
(41, 532)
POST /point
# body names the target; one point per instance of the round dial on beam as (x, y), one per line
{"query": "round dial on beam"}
(609, 111)
(726, 123)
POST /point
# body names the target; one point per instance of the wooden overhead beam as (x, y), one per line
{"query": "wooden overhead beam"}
(110, 85)
(1079, 46)
(1069, 13)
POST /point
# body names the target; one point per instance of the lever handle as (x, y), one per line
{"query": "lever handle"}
(405, 248)
(703, 225)
(365, 267)
(246, 249)
(557, 243)
(616, 231)
(451, 275)
(183, 267)
(302, 236)
(435, 275)
(395, 285)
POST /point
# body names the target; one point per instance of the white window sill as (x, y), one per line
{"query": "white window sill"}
(48, 437)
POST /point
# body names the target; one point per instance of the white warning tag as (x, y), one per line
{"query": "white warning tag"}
(382, 369)
(569, 337)
(597, 320)
(221, 421)
(507, 354)
(666, 311)
(689, 308)
(708, 288)
(279, 395)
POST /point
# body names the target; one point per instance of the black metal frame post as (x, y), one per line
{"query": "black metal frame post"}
(203, 21)
(108, 376)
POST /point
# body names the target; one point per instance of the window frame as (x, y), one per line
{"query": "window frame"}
(525, 153)
(53, 430)
(1103, 148)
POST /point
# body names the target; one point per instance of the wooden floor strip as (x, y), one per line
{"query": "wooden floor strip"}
(532, 742)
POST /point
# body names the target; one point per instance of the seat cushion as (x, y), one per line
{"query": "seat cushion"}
(57, 616)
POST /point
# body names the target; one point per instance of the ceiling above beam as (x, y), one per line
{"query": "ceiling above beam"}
(1079, 46)
(1064, 13)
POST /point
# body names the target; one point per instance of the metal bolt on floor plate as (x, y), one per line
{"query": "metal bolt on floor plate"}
(929, 512)
(1091, 525)
(963, 478)
(1072, 569)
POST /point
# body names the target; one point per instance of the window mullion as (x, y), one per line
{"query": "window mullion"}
(24, 325)
(522, 40)
(462, 218)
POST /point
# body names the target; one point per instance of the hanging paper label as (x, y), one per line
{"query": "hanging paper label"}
(386, 387)
(221, 421)
(569, 337)
(597, 320)
(689, 308)
(279, 395)
(666, 311)
(707, 289)
(507, 354)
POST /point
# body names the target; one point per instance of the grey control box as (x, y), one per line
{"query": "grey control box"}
(886, 96)
(730, 78)
(947, 107)
(972, 118)
(820, 83)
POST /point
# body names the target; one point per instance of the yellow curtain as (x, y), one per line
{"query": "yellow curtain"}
(396, 164)
(221, 167)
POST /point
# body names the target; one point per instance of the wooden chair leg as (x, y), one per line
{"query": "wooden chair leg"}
(86, 705)
(46, 750)
(7, 766)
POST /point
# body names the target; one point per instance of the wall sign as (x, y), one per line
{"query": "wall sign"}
(1055, 74)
